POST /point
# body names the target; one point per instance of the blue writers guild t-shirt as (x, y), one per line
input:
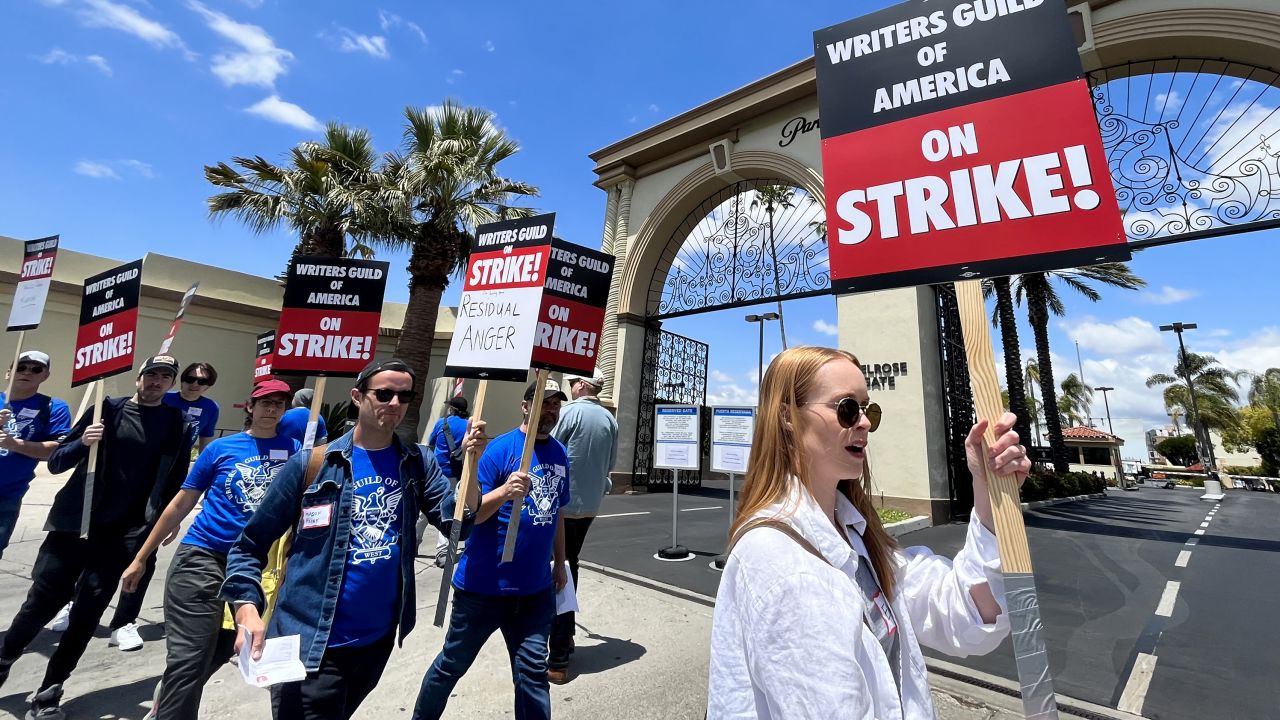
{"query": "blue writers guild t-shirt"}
(366, 609)
(32, 423)
(294, 424)
(234, 473)
(481, 570)
(202, 412)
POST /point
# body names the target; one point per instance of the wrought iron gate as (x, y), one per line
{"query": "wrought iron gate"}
(957, 397)
(674, 371)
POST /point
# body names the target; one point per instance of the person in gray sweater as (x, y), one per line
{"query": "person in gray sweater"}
(590, 433)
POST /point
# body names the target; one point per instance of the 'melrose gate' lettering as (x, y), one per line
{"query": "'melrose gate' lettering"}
(331, 316)
(107, 337)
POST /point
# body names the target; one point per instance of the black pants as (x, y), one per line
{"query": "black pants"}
(68, 568)
(129, 605)
(346, 676)
(195, 642)
(562, 628)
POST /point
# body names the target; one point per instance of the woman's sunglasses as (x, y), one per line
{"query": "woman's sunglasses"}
(193, 380)
(849, 412)
(384, 395)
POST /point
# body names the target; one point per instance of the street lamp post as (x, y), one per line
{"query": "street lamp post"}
(1107, 405)
(1115, 457)
(1193, 412)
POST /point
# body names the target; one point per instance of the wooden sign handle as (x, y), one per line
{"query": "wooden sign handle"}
(470, 467)
(313, 427)
(87, 508)
(13, 369)
(526, 461)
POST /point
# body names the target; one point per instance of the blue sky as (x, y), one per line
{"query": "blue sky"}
(112, 108)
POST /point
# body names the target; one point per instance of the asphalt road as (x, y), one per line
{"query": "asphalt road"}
(1103, 568)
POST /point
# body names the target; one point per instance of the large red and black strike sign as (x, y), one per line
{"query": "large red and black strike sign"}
(498, 312)
(108, 332)
(331, 316)
(33, 283)
(572, 313)
(262, 360)
(959, 141)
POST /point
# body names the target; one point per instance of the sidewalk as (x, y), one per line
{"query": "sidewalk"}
(642, 653)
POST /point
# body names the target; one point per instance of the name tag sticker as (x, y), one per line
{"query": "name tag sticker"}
(194, 412)
(28, 412)
(279, 454)
(317, 517)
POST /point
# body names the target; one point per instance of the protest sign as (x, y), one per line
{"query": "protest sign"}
(106, 340)
(938, 163)
(493, 337)
(330, 320)
(572, 313)
(262, 360)
(33, 283)
(177, 319)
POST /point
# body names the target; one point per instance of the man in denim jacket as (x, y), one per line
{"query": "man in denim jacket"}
(349, 580)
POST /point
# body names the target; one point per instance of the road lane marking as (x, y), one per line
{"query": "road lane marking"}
(1135, 691)
(1165, 608)
(1183, 558)
(1193, 542)
(1204, 524)
(646, 512)
(1200, 532)
(713, 507)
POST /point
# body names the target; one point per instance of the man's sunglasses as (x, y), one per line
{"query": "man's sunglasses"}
(193, 380)
(849, 412)
(384, 395)
(33, 369)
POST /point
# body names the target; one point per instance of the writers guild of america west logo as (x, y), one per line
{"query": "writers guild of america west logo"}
(542, 502)
(253, 483)
(371, 518)
(14, 430)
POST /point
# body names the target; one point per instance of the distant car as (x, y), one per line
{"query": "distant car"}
(1170, 484)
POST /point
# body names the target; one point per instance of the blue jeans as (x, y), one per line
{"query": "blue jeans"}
(10, 508)
(525, 623)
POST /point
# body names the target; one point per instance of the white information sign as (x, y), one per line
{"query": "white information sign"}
(675, 437)
(731, 430)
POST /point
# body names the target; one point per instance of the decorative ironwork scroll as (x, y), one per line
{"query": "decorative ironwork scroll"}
(1193, 146)
(674, 371)
(751, 242)
(957, 397)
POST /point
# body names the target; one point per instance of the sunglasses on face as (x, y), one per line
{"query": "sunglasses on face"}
(849, 412)
(33, 369)
(193, 380)
(384, 395)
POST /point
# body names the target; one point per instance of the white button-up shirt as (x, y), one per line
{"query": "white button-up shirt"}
(788, 638)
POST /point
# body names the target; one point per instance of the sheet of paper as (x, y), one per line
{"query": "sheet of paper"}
(566, 599)
(280, 662)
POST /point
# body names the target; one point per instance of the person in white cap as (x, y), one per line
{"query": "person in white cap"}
(31, 424)
(590, 433)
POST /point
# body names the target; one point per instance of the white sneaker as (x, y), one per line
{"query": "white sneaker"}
(126, 637)
(62, 620)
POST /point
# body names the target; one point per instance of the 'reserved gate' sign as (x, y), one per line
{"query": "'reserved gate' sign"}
(959, 141)
(107, 337)
(493, 337)
(331, 316)
(572, 312)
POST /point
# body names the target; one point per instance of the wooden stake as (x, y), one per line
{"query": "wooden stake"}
(309, 439)
(526, 460)
(87, 509)
(470, 464)
(13, 369)
(1006, 510)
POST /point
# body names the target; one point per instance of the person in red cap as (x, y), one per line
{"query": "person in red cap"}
(231, 476)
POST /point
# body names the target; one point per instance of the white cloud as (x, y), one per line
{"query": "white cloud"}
(58, 56)
(1167, 295)
(139, 167)
(731, 394)
(488, 46)
(285, 113)
(98, 170)
(413, 27)
(1237, 131)
(1167, 102)
(389, 20)
(374, 45)
(1256, 353)
(1127, 336)
(721, 377)
(454, 75)
(106, 14)
(99, 62)
(825, 327)
(258, 62)
(252, 4)
(653, 108)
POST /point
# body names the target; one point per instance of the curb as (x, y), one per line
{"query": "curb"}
(1058, 501)
(902, 527)
(1001, 693)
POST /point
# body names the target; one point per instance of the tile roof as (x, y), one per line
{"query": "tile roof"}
(1086, 433)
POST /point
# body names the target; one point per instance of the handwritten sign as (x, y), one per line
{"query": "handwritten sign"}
(107, 337)
(675, 437)
(33, 283)
(493, 337)
(572, 314)
(331, 316)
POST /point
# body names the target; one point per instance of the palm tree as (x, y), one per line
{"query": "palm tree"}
(1033, 379)
(325, 193)
(774, 198)
(442, 184)
(1216, 398)
(1004, 318)
(1042, 299)
(1264, 391)
(1075, 401)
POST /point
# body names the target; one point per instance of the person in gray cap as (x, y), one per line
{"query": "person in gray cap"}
(590, 433)
(144, 447)
(293, 424)
(31, 424)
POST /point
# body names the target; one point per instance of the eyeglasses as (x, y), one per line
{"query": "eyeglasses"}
(849, 412)
(384, 395)
(193, 380)
(270, 403)
(33, 369)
